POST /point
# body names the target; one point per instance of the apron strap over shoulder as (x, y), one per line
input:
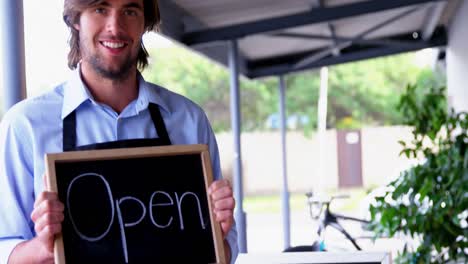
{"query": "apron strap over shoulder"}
(69, 132)
(70, 136)
(159, 123)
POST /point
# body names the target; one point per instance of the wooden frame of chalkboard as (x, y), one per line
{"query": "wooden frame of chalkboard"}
(133, 205)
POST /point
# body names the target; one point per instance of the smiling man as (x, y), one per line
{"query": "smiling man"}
(106, 103)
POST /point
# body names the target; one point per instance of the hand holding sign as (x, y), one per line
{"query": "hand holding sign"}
(131, 205)
(47, 217)
(220, 192)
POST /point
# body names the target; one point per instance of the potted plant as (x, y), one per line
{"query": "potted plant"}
(429, 202)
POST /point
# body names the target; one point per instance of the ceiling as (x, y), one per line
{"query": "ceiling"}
(277, 37)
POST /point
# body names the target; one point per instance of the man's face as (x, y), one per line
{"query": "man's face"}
(110, 36)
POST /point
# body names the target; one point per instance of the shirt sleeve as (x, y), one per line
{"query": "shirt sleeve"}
(16, 187)
(231, 237)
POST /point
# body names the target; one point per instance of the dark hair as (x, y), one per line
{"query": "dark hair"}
(71, 15)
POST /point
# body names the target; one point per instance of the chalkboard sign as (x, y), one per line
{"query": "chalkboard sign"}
(137, 205)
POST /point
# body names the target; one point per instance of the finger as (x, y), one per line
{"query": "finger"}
(222, 193)
(225, 204)
(218, 184)
(224, 215)
(226, 219)
(45, 196)
(49, 219)
(226, 227)
(47, 233)
(47, 206)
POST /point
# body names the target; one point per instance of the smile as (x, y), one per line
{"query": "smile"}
(113, 45)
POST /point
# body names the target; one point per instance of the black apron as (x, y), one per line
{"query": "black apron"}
(69, 135)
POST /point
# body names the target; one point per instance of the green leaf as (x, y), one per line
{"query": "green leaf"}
(465, 159)
(402, 143)
(439, 184)
(428, 185)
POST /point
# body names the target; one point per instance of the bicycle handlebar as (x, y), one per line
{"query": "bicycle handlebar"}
(324, 199)
(318, 203)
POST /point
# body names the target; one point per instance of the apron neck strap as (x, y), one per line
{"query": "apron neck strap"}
(69, 128)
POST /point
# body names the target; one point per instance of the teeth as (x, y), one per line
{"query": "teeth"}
(113, 45)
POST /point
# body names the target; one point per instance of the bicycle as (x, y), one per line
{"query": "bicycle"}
(320, 210)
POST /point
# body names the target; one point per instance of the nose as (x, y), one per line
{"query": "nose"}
(115, 23)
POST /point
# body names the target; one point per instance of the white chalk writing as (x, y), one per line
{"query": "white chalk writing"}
(109, 192)
(155, 201)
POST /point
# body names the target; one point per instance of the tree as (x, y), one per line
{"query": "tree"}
(360, 93)
(207, 84)
(368, 91)
(428, 202)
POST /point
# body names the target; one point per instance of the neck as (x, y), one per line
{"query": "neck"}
(116, 93)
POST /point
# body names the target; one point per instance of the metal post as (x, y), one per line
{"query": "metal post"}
(321, 131)
(237, 162)
(285, 190)
(14, 82)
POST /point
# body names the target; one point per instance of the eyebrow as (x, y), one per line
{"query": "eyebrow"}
(129, 5)
(134, 5)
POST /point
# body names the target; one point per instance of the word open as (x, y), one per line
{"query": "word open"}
(158, 199)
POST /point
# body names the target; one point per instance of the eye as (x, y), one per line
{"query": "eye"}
(130, 12)
(100, 10)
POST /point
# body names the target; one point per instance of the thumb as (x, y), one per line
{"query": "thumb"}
(226, 227)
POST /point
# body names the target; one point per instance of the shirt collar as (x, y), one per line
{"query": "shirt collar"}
(148, 93)
(76, 93)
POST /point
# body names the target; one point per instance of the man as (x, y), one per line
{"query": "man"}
(105, 104)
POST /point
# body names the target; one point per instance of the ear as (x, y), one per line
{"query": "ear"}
(76, 26)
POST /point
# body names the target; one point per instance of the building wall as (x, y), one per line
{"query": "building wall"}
(262, 161)
(381, 154)
(457, 59)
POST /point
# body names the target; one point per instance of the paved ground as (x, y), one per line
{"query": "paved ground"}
(265, 231)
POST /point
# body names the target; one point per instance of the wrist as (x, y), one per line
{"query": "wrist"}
(30, 252)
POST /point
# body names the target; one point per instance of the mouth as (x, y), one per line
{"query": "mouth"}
(113, 45)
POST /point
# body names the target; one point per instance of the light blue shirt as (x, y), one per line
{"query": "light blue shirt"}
(33, 127)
